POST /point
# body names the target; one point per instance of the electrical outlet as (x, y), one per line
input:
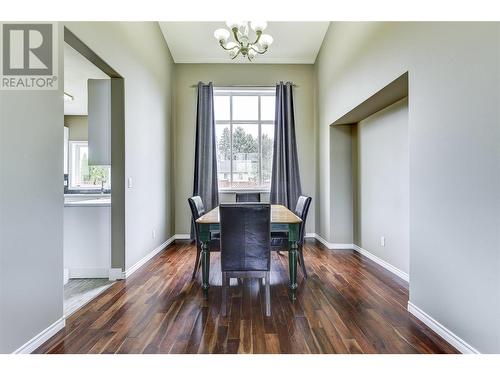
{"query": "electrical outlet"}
(382, 241)
(153, 234)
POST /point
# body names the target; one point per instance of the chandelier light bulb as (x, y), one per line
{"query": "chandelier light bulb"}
(258, 25)
(233, 24)
(222, 35)
(266, 40)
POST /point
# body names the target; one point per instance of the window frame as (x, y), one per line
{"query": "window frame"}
(72, 173)
(231, 92)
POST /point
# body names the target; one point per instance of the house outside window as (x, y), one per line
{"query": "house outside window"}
(244, 123)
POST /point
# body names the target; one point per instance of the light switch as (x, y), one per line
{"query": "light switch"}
(382, 241)
(129, 184)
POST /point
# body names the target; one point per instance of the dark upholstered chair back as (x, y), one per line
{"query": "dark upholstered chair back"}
(245, 237)
(197, 210)
(301, 210)
(247, 197)
(197, 207)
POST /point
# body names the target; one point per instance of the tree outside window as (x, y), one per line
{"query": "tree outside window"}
(245, 137)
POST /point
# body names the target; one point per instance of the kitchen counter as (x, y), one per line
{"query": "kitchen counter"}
(87, 200)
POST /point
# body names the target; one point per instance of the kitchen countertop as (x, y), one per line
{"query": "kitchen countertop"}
(87, 200)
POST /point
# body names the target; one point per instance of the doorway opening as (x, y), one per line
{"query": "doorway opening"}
(94, 158)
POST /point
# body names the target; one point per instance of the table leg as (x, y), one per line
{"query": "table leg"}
(205, 266)
(205, 257)
(292, 259)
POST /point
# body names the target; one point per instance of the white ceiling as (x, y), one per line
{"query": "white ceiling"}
(77, 70)
(294, 42)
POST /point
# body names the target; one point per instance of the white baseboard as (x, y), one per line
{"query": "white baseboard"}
(458, 343)
(330, 245)
(342, 246)
(88, 273)
(182, 237)
(389, 267)
(43, 336)
(116, 274)
(155, 251)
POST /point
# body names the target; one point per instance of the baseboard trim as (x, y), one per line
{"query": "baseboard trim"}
(151, 254)
(329, 245)
(182, 237)
(42, 337)
(116, 274)
(458, 343)
(88, 273)
(389, 267)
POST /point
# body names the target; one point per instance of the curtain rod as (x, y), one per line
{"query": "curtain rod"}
(244, 86)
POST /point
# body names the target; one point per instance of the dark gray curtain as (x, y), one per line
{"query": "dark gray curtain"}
(285, 182)
(205, 159)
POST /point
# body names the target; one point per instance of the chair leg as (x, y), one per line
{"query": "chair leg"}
(268, 294)
(197, 262)
(224, 294)
(302, 263)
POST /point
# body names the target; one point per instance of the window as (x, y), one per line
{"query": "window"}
(244, 126)
(83, 176)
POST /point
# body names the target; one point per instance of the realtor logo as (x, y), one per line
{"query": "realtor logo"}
(29, 58)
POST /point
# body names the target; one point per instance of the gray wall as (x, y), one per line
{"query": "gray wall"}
(234, 74)
(381, 171)
(78, 127)
(454, 143)
(31, 212)
(340, 196)
(147, 68)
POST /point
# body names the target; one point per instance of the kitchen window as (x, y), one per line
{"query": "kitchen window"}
(244, 126)
(83, 176)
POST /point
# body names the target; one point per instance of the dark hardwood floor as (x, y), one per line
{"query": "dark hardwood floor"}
(347, 305)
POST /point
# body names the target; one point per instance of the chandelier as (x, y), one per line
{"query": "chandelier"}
(242, 44)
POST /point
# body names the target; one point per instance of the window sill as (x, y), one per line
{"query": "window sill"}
(75, 191)
(234, 191)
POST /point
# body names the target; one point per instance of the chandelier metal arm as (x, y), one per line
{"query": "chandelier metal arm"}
(258, 51)
(235, 34)
(235, 56)
(259, 33)
(227, 49)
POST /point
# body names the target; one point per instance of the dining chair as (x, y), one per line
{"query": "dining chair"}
(279, 240)
(247, 197)
(198, 210)
(245, 245)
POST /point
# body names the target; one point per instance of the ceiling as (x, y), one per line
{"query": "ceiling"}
(77, 70)
(294, 42)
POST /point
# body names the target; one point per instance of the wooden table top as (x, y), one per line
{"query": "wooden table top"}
(279, 215)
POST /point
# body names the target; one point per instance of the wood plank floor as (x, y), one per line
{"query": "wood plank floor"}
(347, 305)
(77, 292)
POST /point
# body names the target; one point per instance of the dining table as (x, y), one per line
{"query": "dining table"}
(282, 220)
